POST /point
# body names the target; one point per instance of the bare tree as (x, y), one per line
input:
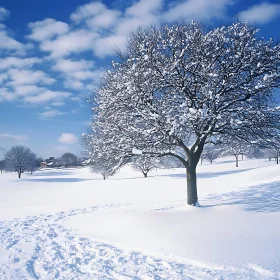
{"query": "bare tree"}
(179, 87)
(19, 159)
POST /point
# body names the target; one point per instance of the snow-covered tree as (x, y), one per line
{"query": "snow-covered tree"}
(144, 164)
(101, 160)
(177, 88)
(235, 147)
(31, 162)
(273, 148)
(211, 153)
(19, 159)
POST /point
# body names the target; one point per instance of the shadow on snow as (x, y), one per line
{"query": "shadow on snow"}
(259, 198)
(58, 180)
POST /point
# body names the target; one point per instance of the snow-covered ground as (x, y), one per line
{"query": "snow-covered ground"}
(70, 224)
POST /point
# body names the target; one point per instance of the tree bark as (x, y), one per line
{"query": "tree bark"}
(236, 161)
(145, 174)
(191, 186)
(19, 174)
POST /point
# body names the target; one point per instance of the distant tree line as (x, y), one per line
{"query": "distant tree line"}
(21, 159)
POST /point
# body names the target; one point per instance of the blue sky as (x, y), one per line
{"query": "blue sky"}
(53, 53)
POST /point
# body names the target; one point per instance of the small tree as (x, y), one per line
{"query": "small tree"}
(144, 164)
(2, 165)
(104, 167)
(211, 153)
(19, 159)
(273, 148)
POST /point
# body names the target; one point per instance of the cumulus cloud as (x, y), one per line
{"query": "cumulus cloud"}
(96, 15)
(7, 95)
(3, 77)
(7, 43)
(47, 29)
(15, 62)
(75, 72)
(51, 113)
(74, 42)
(25, 90)
(68, 65)
(261, 13)
(198, 9)
(4, 13)
(46, 96)
(141, 13)
(67, 138)
(23, 77)
(13, 137)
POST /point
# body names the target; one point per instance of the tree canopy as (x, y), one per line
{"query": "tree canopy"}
(177, 88)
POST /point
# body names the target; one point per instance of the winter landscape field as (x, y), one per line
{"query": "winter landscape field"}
(71, 224)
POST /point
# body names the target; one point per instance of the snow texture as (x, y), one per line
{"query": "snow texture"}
(71, 224)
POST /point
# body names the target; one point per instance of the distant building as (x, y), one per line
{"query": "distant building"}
(43, 164)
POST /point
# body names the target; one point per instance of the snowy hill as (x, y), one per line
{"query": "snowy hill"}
(70, 224)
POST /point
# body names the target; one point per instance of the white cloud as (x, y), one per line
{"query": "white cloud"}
(24, 77)
(68, 65)
(198, 9)
(141, 13)
(47, 29)
(15, 62)
(4, 13)
(75, 71)
(261, 13)
(7, 95)
(13, 137)
(58, 103)
(96, 15)
(8, 43)
(67, 138)
(46, 96)
(73, 42)
(69, 83)
(24, 90)
(51, 113)
(3, 77)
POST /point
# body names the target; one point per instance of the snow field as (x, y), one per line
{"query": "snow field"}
(70, 224)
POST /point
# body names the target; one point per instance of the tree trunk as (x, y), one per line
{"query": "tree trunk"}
(277, 160)
(145, 174)
(236, 161)
(191, 186)
(241, 156)
(19, 174)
